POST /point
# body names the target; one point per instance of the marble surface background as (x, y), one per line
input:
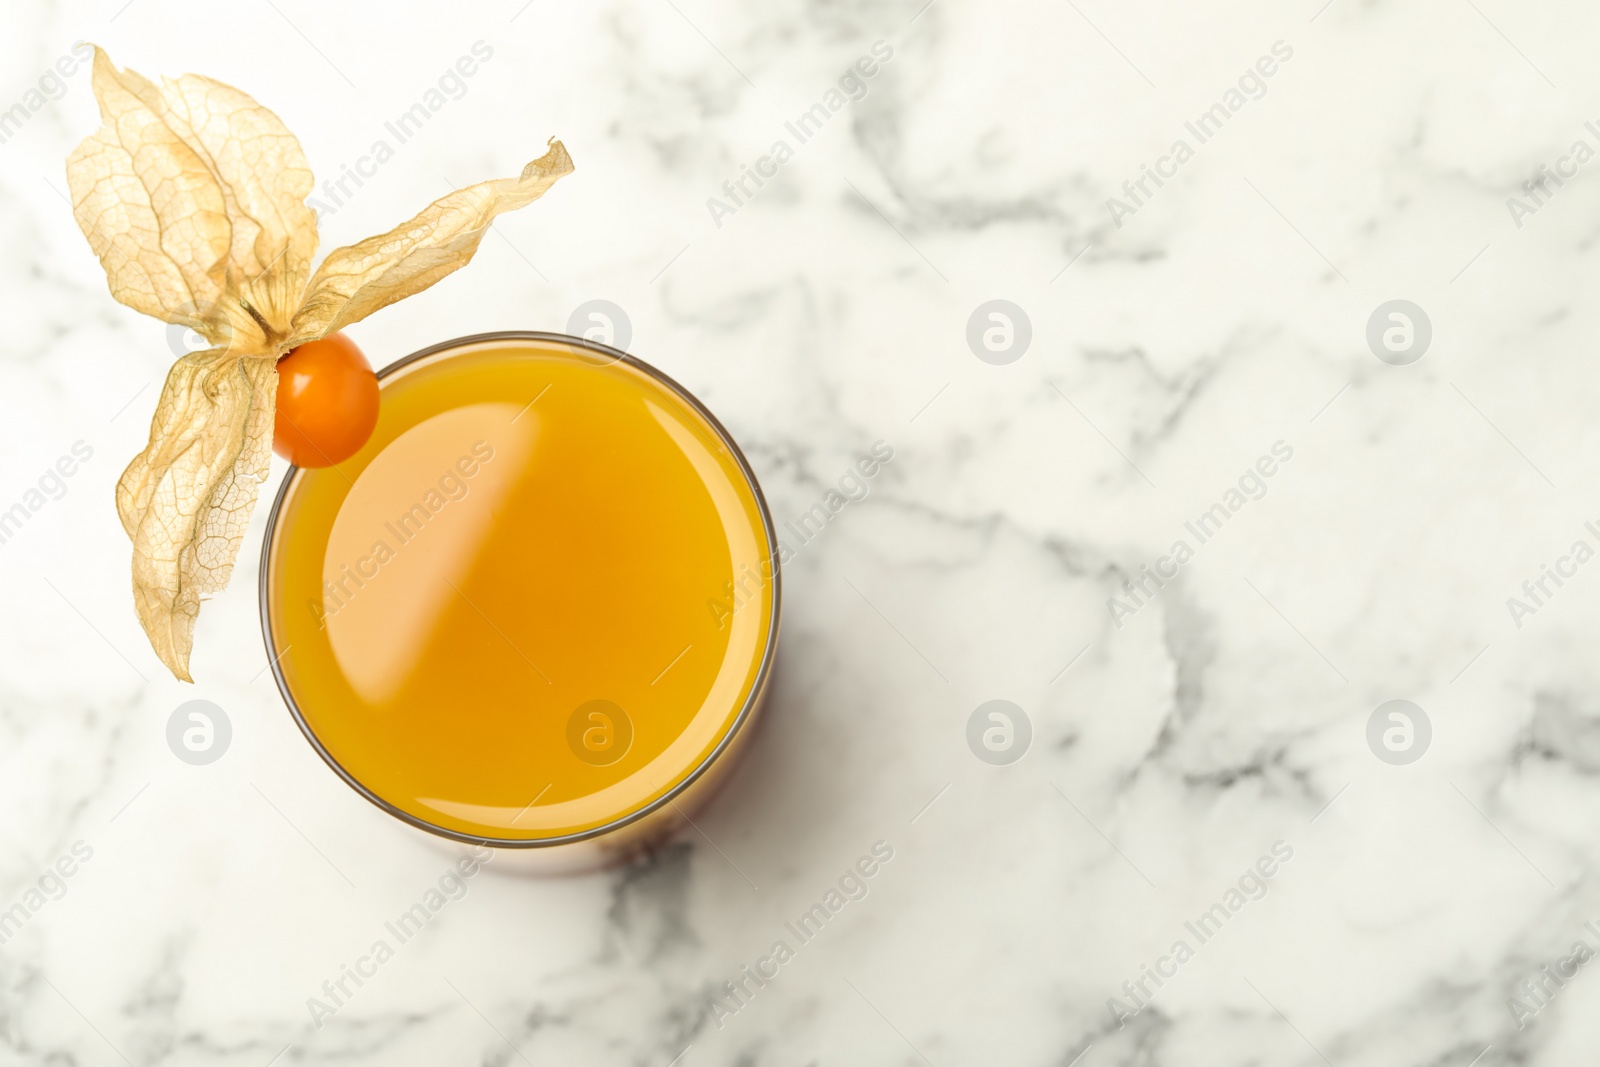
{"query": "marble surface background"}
(1172, 345)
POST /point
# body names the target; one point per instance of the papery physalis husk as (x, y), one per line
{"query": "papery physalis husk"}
(193, 196)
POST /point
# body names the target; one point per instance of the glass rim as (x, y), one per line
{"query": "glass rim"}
(746, 710)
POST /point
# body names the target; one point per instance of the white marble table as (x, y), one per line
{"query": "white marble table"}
(1179, 737)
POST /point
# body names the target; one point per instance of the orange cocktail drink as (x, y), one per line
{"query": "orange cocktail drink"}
(537, 607)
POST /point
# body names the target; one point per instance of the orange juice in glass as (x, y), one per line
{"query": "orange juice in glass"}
(538, 610)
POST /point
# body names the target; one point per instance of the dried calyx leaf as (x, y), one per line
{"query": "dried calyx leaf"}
(185, 501)
(359, 279)
(193, 197)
